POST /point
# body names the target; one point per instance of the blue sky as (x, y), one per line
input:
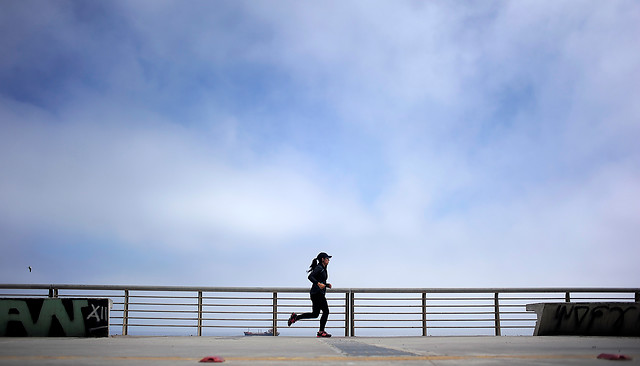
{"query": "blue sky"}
(226, 143)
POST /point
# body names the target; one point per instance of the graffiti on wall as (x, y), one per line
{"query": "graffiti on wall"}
(587, 316)
(597, 319)
(39, 317)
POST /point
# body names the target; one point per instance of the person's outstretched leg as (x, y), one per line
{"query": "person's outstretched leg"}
(316, 311)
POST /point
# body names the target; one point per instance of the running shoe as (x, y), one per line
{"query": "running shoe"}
(323, 334)
(292, 319)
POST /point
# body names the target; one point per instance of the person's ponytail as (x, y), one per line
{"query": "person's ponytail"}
(313, 265)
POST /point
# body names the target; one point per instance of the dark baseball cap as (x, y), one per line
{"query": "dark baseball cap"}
(323, 255)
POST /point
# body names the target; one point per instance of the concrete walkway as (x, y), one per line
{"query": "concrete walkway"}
(313, 351)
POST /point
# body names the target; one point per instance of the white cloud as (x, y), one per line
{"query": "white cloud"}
(156, 182)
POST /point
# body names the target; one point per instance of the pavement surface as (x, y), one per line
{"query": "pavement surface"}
(359, 351)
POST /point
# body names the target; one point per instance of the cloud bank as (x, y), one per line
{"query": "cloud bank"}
(226, 143)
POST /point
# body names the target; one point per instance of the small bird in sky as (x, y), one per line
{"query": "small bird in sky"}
(29, 268)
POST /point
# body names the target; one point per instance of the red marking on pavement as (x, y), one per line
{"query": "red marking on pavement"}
(212, 359)
(613, 357)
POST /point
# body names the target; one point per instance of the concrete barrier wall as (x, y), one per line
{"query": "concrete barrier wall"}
(52, 317)
(621, 319)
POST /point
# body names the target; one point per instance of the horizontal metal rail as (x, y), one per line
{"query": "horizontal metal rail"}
(365, 311)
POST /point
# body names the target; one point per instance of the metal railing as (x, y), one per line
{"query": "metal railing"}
(165, 310)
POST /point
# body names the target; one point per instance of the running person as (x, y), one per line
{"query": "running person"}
(318, 276)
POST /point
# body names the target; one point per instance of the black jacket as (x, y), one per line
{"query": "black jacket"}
(318, 274)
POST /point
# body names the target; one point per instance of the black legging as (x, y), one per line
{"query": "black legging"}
(319, 303)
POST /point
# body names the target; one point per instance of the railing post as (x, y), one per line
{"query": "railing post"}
(424, 314)
(346, 313)
(275, 314)
(352, 312)
(496, 303)
(199, 313)
(125, 313)
(53, 292)
(637, 296)
(567, 297)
